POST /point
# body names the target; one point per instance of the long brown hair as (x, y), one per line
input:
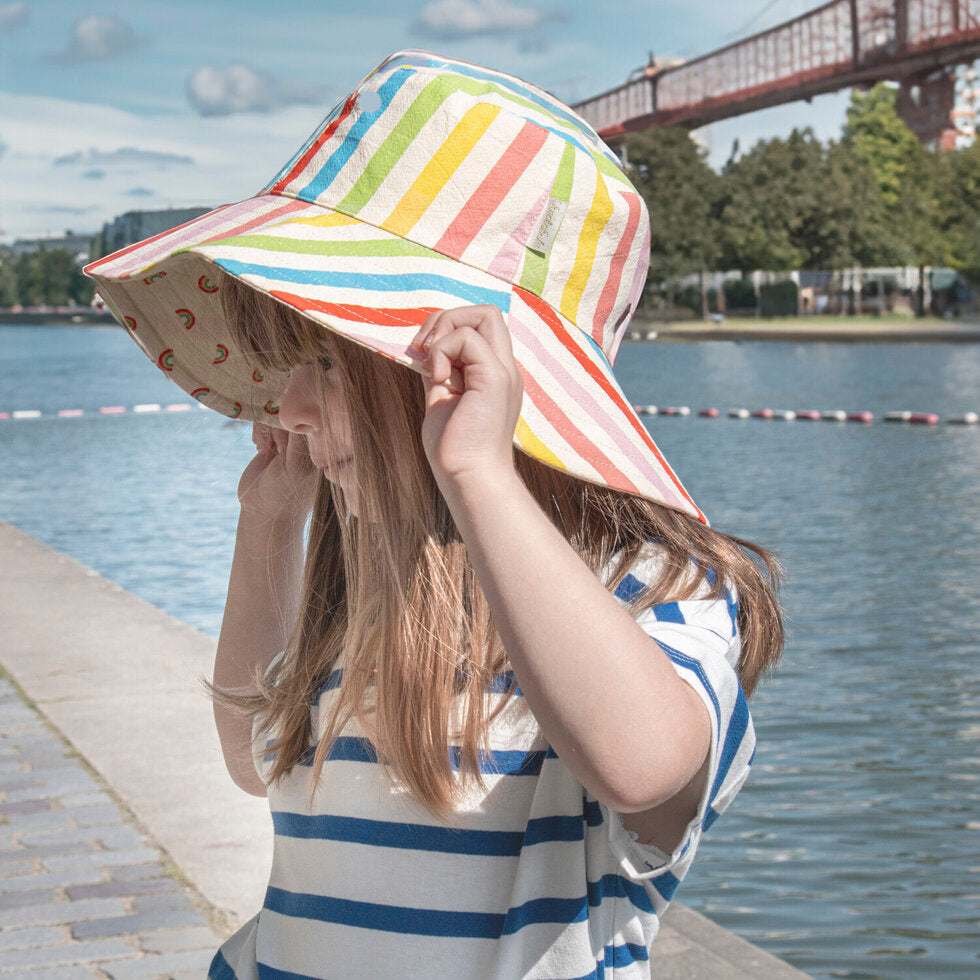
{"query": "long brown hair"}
(397, 595)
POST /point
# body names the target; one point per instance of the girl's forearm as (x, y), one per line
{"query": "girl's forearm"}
(607, 698)
(263, 597)
(260, 611)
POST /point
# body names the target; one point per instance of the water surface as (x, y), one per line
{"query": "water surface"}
(853, 850)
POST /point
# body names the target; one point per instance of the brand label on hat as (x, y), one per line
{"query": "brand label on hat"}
(543, 236)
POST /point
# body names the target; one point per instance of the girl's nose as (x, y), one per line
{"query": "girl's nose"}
(299, 406)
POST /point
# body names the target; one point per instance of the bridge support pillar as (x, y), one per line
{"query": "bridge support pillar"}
(925, 102)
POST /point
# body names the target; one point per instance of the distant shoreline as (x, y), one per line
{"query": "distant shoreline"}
(78, 317)
(811, 329)
(787, 329)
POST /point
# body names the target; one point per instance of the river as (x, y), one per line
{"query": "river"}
(853, 850)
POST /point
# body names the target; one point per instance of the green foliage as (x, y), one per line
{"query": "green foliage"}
(779, 298)
(877, 136)
(47, 277)
(740, 294)
(681, 190)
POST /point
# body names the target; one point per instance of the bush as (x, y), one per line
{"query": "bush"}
(779, 299)
(739, 294)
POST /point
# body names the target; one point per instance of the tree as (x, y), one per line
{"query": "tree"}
(877, 136)
(959, 207)
(9, 295)
(670, 171)
(769, 202)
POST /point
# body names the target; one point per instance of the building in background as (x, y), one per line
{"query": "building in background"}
(134, 226)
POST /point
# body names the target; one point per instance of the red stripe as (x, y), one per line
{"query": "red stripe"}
(611, 289)
(549, 316)
(287, 208)
(492, 190)
(89, 269)
(378, 316)
(581, 443)
(314, 147)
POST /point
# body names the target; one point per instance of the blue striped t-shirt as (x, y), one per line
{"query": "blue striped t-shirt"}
(533, 878)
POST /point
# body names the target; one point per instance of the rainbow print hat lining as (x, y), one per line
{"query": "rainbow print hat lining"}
(435, 184)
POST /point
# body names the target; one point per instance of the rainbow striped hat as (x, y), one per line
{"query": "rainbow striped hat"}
(435, 184)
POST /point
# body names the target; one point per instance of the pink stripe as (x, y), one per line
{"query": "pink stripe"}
(611, 289)
(208, 227)
(487, 197)
(639, 278)
(598, 409)
(580, 443)
(508, 259)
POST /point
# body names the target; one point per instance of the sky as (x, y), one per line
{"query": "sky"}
(115, 106)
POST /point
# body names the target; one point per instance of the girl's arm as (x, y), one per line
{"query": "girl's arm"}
(607, 698)
(263, 591)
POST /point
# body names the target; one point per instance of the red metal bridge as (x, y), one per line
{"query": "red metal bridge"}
(841, 44)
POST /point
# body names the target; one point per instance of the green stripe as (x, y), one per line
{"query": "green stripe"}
(535, 270)
(387, 248)
(604, 165)
(395, 144)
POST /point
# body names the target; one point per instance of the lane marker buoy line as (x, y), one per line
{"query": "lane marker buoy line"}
(676, 411)
(74, 413)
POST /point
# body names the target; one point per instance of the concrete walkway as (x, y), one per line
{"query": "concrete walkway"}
(125, 850)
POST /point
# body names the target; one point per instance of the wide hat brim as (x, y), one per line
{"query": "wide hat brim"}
(375, 289)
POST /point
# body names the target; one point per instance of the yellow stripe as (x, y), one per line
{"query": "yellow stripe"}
(440, 169)
(588, 242)
(332, 220)
(533, 446)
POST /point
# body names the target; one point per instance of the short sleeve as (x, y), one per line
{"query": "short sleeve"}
(701, 638)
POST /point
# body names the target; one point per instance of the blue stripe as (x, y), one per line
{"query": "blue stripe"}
(732, 610)
(333, 681)
(219, 968)
(710, 816)
(697, 668)
(403, 283)
(271, 973)
(328, 119)
(616, 886)
(669, 612)
(617, 957)
(592, 812)
(442, 922)
(737, 726)
(425, 837)
(326, 174)
(503, 762)
(666, 884)
(384, 833)
(629, 588)
(538, 910)
(505, 683)
(509, 762)
(385, 918)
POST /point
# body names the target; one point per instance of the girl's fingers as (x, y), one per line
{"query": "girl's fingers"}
(487, 321)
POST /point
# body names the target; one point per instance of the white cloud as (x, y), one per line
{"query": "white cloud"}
(450, 20)
(238, 88)
(98, 38)
(128, 156)
(234, 156)
(12, 16)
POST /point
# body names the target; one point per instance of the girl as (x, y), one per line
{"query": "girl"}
(499, 701)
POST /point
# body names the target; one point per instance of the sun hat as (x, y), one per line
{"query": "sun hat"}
(434, 184)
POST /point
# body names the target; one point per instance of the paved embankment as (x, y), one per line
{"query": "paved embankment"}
(125, 850)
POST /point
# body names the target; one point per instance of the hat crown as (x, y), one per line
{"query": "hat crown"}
(485, 169)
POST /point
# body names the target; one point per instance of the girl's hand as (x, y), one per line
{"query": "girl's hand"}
(473, 394)
(278, 484)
